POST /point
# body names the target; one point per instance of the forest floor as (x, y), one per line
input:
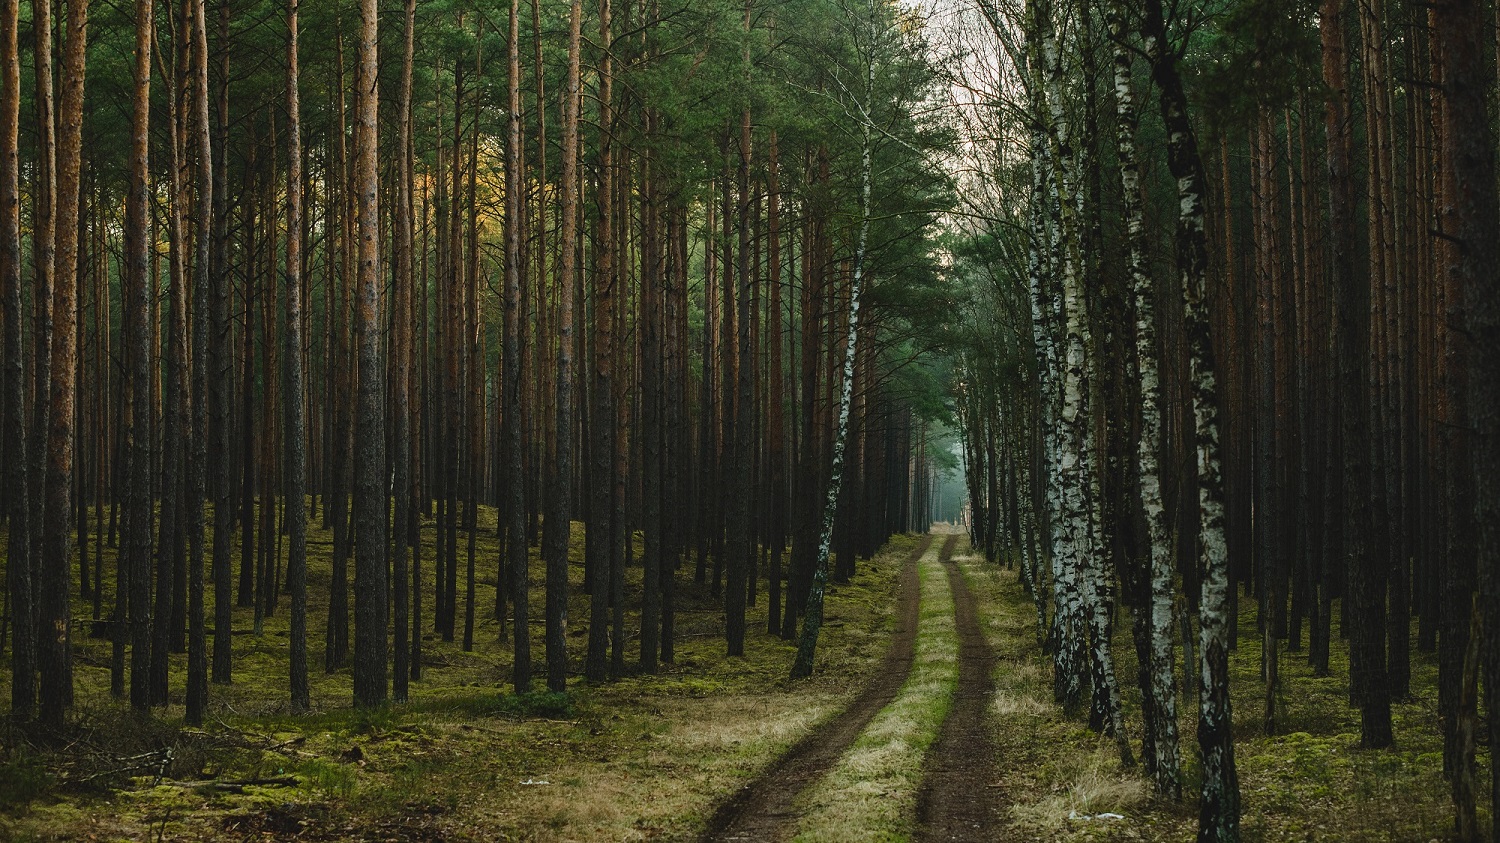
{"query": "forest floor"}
(949, 733)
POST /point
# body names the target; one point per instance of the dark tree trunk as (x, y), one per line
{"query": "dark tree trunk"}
(12, 401)
(54, 640)
(135, 312)
(295, 488)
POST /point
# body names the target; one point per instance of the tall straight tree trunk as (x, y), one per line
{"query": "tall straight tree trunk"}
(1219, 808)
(602, 417)
(557, 525)
(13, 402)
(1345, 448)
(343, 378)
(651, 408)
(221, 364)
(370, 499)
(1468, 217)
(44, 255)
(198, 122)
(1161, 725)
(776, 454)
(1368, 572)
(737, 519)
(295, 488)
(401, 366)
(515, 503)
(54, 656)
(135, 312)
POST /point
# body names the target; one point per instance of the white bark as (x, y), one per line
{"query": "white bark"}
(1162, 723)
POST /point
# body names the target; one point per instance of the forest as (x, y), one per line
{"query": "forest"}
(770, 419)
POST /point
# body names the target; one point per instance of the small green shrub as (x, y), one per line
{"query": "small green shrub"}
(327, 779)
(554, 704)
(22, 779)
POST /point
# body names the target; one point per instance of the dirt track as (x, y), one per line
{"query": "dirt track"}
(762, 810)
(956, 801)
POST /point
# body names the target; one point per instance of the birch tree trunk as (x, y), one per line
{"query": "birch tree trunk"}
(1161, 724)
(1219, 809)
(813, 620)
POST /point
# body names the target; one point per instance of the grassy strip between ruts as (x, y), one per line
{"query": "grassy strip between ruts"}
(872, 793)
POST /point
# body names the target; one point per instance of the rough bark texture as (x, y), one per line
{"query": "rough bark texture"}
(12, 401)
(515, 498)
(370, 573)
(813, 620)
(295, 417)
(602, 417)
(197, 690)
(1219, 808)
(556, 527)
(136, 317)
(1161, 724)
(54, 612)
(1468, 219)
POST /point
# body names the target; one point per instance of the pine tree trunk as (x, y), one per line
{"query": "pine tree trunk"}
(776, 454)
(1468, 217)
(221, 363)
(370, 499)
(295, 488)
(198, 129)
(18, 584)
(602, 417)
(401, 368)
(515, 503)
(54, 650)
(557, 525)
(135, 312)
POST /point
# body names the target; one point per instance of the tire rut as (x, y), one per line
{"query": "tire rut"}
(762, 810)
(956, 800)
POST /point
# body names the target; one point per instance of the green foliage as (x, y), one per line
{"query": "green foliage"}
(1275, 42)
(22, 779)
(555, 704)
(329, 779)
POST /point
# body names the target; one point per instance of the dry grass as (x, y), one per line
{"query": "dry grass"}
(1053, 771)
(646, 757)
(871, 794)
(1310, 782)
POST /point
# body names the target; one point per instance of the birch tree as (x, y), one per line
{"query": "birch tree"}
(1219, 806)
(1161, 723)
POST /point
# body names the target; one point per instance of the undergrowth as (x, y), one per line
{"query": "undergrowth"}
(1310, 781)
(465, 758)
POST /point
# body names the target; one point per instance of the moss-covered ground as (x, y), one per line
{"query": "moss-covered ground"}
(644, 757)
(1310, 781)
